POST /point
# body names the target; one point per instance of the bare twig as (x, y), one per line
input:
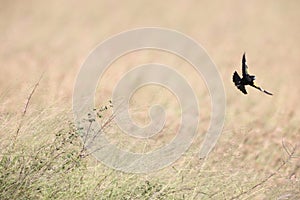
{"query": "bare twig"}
(290, 153)
(103, 126)
(26, 108)
(93, 137)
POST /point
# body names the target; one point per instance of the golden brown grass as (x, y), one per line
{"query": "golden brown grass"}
(55, 37)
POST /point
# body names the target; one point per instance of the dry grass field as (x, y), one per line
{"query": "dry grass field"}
(258, 153)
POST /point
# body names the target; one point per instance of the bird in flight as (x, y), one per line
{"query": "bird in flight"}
(247, 79)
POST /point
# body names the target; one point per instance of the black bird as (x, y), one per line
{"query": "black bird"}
(247, 79)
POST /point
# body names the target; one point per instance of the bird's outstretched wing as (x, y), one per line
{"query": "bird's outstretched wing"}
(244, 66)
(259, 88)
(237, 82)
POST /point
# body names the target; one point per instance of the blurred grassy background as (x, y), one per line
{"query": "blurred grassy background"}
(55, 37)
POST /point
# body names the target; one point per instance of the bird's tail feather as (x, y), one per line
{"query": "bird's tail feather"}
(261, 89)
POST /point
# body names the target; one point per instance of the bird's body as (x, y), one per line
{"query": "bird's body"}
(247, 79)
